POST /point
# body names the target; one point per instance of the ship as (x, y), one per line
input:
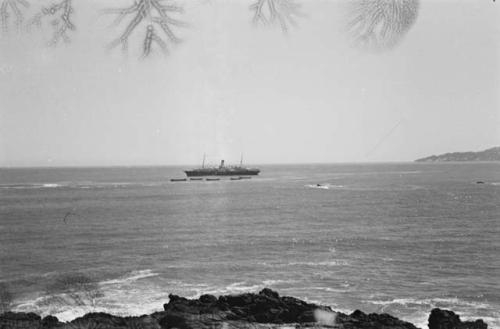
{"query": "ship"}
(222, 170)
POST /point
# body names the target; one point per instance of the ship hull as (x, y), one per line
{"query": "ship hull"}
(219, 172)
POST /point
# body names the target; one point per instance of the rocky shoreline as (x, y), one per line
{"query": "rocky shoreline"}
(263, 310)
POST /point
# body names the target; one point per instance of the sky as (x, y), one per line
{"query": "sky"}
(232, 88)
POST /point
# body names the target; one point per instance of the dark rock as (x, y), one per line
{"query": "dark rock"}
(306, 316)
(443, 319)
(238, 300)
(208, 299)
(265, 310)
(50, 322)
(265, 307)
(269, 293)
(357, 314)
(142, 322)
(99, 320)
(360, 320)
(174, 321)
(173, 298)
(20, 320)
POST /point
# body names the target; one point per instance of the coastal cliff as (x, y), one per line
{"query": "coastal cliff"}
(264, 310)
(491, 154)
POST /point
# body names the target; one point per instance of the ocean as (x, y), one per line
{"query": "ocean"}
(400, 238)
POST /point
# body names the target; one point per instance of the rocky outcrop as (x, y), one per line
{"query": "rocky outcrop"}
(264, 307)
(20, 320)
(443, 319)
(264, 310)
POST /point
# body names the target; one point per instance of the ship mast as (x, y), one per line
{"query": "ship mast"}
(241, 160)
(203, 163)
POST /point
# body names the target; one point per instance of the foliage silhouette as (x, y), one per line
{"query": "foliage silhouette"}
(272, 12)
(155, 16)
(9, 8)
(371, 24)
(57, 15)
(380, 24)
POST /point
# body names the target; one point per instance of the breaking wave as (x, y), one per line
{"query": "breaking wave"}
(133, 294)
(30, 186)
(432, 302)
(325, 186)
(133, 276)
(144, 291)
(129, 294)
(80, 185)
(327, 263)
(419, 309)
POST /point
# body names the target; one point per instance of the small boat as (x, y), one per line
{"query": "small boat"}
(235, 178)
(178, 180)
(320, 186)
(245, 177)
(196, 179)
(212, 179)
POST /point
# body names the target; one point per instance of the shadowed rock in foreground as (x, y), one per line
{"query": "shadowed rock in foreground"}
(443, 319)
(265, 310)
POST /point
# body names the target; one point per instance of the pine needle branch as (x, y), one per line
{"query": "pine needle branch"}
(276, 12)
(12, 8)
(380, 24)
(155, 16)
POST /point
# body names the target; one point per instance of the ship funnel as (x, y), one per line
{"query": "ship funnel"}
(221, 164)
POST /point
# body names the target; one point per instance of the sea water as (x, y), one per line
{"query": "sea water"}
(396, 238)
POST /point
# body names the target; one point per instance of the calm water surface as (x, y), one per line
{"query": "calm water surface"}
(396, 238)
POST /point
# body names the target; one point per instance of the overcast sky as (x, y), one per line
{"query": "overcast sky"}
(232, 88)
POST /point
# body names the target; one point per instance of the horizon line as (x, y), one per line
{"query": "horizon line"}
(190, 165)
(258, 164)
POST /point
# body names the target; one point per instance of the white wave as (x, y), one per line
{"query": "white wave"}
(324, 186)
(241, 287)
(127, 295)
(105, 185)
(432, 302)
(308, 289)
(467, 310)
(337, 262)
(275, 282)
(319, 186)
(132, 294)
(132, 276)
(51, 185)
(31, 186)
(65, 306)
(345, 288)
(235, 288)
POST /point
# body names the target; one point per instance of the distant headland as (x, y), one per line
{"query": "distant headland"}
(491, 154)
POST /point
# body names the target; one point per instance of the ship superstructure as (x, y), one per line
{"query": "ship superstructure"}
(222, 170)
